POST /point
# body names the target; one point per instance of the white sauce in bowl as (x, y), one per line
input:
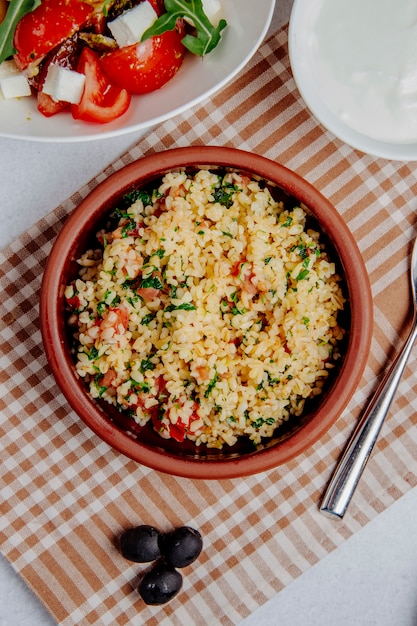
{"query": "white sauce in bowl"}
(364, 56)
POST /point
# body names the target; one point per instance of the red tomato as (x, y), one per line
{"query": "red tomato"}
(178, 431)
(49, 107)
(101, 101)
(146, 66)
(158, 6)
(53, 21)
(148, 293)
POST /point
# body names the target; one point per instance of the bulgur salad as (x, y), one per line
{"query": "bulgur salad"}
(207, 308)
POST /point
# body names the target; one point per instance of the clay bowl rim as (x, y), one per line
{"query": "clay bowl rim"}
(102, 198)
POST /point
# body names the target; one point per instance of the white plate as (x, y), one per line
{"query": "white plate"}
(304, 64)
(196, 80)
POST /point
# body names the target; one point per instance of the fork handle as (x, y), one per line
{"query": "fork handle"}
(352, 463)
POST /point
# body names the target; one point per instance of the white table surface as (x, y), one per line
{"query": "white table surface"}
(370, 580)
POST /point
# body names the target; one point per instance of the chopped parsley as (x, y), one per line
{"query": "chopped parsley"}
(146, 365)
(145, 321)
(287, 223)
(152, 282)
(93, 354)
(211, 385)
(185, 306)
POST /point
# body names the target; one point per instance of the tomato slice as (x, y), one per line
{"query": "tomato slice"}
(39, 31)
(49, 107)
(147, 66)
(101, 101)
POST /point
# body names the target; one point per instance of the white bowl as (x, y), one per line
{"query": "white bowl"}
(305, 63)
(196, 80)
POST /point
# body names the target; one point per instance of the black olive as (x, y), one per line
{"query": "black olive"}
(181, 546)
(140, 544)
(160, 584)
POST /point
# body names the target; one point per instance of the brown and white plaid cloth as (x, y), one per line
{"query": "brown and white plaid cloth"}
(65, 494)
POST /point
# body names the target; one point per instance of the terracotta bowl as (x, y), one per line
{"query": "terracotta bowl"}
(143, 444)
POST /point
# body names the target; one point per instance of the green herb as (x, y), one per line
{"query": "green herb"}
(146, 365)
(200, 232)
(101, 388)
(207, 36)
(16, 10)
(106, 5)
(122, 214)
(267, 260)
(287, 222)
(185, 306)
(128, 227)
(152, 282)
(224, 196)
(159, 253)
(227, 234)
(129, 283)
(147, 319)
(142, 387)
(271, 380)
(173, 291)
(139, 194)
(231, 419)
(133, 300)
(301, 250)
(258, 423)
(93, 354)
(211, 385)
(303, 274)
(101, 307)
(305, 320)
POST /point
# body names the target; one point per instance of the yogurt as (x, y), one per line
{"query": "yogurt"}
(364, 56)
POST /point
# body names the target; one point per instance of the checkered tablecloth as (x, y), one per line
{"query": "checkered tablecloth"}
(65, 494)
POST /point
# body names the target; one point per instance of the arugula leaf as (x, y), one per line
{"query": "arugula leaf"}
(16, 10)
(207, 36)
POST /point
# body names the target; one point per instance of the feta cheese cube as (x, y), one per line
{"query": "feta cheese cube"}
(129, 27)
(14, 86)
(8, 68)
(64, 85)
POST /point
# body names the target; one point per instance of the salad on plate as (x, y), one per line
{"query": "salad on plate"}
(88, 57)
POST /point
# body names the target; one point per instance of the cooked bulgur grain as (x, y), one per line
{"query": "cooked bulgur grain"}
(210, 309)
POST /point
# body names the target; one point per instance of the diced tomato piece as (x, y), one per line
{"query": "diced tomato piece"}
(177, 431)
(101, 101)
(107, 379)
(148, 293)
(74, 302)
(147, 66)
(122, 316)
(39, 31)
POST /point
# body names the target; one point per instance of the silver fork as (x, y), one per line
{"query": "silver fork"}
(352, 463)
